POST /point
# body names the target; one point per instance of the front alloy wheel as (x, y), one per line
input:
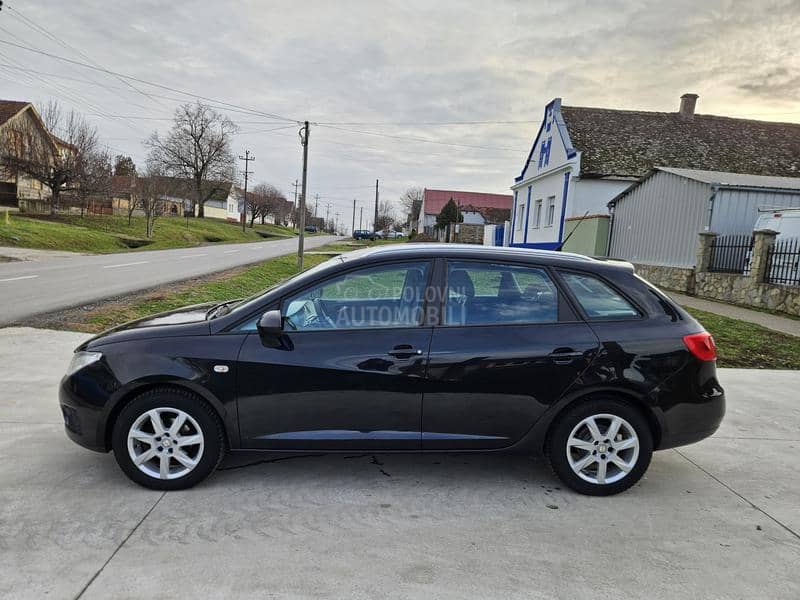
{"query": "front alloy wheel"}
(168, 439)
(600, 447)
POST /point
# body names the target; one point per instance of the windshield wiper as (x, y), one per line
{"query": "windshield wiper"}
(220, 310)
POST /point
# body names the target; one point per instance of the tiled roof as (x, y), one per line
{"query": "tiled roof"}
(630, 143)
(8, 108)
(436, 199)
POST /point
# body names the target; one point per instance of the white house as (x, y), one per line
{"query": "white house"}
(584, 157)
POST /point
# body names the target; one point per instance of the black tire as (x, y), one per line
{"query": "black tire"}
(198, 409)
(563, 427)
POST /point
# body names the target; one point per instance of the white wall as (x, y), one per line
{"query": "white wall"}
(594, 195)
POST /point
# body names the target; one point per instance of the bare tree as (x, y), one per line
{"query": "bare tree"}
(267, 200)
(411, 201)
(93, 178)
(51, 151)
(198, 148)
(153, 190)
(386, 216)
(124, 166)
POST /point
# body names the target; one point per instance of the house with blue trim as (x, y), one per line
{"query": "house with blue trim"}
(584, 157)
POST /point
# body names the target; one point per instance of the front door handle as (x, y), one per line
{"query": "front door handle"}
(563, 356)
(404, 351)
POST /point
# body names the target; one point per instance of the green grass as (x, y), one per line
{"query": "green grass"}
(106, 234)
(749, 346)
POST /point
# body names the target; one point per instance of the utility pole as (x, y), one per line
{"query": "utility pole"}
(247, 160)
(336, 223)
(354, 215)
(304, 135)
(316, 202)
(361, 218)
(375, 220)
(327, 214)
(294, 206)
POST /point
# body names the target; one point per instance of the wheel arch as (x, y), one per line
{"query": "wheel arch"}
(135, 391)
(545, 425)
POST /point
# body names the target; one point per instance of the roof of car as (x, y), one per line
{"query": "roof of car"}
(477, 251)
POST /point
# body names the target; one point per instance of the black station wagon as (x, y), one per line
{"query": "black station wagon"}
(407, 348)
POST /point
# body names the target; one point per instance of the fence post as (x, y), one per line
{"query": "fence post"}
(762, 242)
(704, 246)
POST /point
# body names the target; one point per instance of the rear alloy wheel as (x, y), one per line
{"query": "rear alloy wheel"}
(168, 439)
(600, 447)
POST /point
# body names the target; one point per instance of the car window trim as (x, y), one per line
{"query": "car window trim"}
(641, 314)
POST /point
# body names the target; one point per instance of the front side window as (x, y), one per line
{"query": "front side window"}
(597, 298)
(375, 297)
(499, 294)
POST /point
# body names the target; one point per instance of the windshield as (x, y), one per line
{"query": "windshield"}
(245, 305)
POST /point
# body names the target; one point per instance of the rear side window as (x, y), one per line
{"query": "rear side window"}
(597, 298)
(498, 294)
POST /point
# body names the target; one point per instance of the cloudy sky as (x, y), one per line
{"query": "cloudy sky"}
(399, 91)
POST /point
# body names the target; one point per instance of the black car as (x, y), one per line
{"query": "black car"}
(363, 234)
(418, 348)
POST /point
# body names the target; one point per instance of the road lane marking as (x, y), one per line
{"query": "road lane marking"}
(230, 251)
(19, 278)
(141, 262)
(191, 256)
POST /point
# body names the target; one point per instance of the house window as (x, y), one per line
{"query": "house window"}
(551, 211)
(537, 214)
(520, 215)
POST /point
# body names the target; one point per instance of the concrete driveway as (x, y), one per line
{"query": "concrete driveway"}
(719, 519)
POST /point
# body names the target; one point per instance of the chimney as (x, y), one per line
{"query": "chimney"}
(688, 102)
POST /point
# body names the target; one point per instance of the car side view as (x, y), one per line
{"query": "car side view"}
(407, 348)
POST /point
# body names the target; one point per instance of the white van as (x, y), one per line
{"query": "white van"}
(785, 266)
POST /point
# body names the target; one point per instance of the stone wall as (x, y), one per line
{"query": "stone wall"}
(677, 279)
(469, 233)
(741, 289)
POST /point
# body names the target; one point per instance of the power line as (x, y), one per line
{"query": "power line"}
(145, 82)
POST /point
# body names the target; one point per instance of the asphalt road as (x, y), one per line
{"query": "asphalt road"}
(715, 520)
(29, 288)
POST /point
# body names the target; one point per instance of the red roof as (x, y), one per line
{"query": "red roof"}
(436, 199)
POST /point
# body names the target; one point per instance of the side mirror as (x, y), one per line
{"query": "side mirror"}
(271, 324)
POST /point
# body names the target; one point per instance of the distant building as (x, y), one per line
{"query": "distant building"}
(656, 221)
(582, 158)
(476, 208)
(18, 121)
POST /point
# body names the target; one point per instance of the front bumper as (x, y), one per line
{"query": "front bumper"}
(83, 421)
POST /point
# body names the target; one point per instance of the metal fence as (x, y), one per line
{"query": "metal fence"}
(783, 258)
(731, 254)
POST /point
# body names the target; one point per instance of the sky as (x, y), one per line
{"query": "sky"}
(442, 94)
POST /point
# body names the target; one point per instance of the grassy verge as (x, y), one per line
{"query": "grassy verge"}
(106, 233)
(749, 346)
(236, 283)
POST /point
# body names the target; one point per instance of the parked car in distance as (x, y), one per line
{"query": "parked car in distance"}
(311, 228)
(395, 235)
(363, 234)
(512, 350)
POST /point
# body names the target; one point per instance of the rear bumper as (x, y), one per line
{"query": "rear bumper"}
(83, 422)
(697, 414)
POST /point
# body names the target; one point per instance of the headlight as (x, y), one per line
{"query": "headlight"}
(81, 360)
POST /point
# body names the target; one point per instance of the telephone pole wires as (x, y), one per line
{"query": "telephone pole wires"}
(247, 160)
(304, 135)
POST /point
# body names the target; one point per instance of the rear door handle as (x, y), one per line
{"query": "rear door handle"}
(404, 352)
(565, 356)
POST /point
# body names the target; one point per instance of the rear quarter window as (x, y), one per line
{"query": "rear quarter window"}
(598, 299)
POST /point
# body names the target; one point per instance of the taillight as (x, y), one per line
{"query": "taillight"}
(701, 345)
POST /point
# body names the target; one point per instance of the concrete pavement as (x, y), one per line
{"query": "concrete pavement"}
(28, 288)
(718, 519)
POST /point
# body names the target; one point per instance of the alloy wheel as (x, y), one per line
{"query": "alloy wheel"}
(602, 449)
(165, 443)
